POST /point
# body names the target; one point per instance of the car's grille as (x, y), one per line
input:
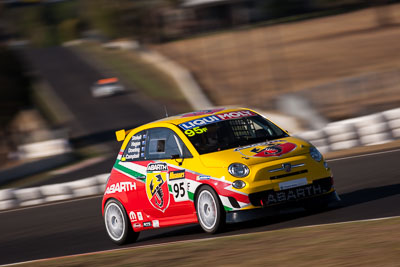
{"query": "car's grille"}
(287, 174)
(271, 197)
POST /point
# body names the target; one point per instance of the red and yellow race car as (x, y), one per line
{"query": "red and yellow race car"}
(210, 167)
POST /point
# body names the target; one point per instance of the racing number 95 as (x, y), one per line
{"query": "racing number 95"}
(195, 131)
(179, 189)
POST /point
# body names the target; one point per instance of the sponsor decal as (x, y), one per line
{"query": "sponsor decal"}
(268, 149)
(295, 193)
(236, 114)
(120, 187)
(147, 224)
(157, 185)
(157, 167)
(132, 216)
(176, 175)
(203, 177)
(137, 225)
(215, 118)
(156, 224)
(135, 216)
(199, 122)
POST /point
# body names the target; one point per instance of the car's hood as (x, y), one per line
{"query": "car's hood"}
(257, 153)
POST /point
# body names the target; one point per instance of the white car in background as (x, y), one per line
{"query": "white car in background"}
(107, 87)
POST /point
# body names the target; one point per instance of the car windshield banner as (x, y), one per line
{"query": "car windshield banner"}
(215, 118)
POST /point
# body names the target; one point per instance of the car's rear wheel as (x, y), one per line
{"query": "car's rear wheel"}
(117, 224)
(210, 212)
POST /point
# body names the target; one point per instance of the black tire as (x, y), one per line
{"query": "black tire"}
(209, 209)
(117, 223)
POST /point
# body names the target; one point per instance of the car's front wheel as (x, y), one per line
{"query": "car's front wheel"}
(210, 212)
(117, 224)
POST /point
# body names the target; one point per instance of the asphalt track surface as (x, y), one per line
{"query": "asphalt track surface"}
(71, 79)
(368, 185)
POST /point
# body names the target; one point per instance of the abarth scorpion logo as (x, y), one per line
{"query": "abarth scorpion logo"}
(267, 149)
(157, 185)
(157, 191)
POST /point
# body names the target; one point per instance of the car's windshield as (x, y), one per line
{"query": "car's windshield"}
(227, 134)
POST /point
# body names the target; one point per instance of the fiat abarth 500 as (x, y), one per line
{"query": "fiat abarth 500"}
(210, 167)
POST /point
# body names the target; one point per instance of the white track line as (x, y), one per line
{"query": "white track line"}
(52, 203)
(71, 200)
(196, 240)
(365, 155)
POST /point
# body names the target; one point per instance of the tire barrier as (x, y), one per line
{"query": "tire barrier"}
(33, 167)
(15, 198)
(368, 130)
(362, 131)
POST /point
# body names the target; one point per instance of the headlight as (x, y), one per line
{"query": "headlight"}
(239, 184)
(238, 170)
(315, 154)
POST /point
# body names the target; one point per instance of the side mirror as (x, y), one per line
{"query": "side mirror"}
(175, 156)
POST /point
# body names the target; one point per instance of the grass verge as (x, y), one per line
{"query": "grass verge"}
(365, 243)
(347, 64)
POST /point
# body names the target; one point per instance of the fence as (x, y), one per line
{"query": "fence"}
(377, 128)
(373, 129)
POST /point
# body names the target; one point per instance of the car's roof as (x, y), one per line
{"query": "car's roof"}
(182, 118)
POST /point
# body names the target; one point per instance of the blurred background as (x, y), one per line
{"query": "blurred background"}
(316, 61)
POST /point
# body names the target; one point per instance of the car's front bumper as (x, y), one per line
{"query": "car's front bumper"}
(270, 197)
(330, 197)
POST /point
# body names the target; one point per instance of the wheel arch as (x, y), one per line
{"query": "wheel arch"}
(196, 193)
(107, 199)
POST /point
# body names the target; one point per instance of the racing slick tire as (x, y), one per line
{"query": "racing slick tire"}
(118, 226)
(209, 209)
